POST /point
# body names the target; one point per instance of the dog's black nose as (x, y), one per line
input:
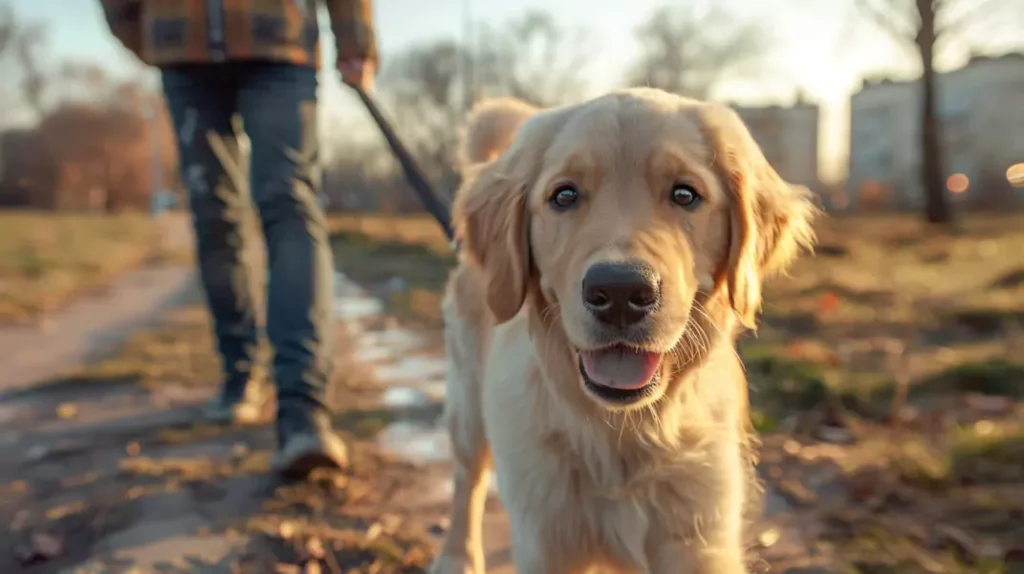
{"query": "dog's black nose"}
(621, 294)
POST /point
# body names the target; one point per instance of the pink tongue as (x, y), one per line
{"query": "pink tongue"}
(620, 368)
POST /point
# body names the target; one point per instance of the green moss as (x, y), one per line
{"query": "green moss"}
(994, 377)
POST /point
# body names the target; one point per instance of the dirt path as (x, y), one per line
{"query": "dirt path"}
(116, 474)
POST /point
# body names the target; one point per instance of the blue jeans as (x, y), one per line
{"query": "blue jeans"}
(277, 105)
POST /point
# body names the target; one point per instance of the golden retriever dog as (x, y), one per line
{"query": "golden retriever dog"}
(611, 253)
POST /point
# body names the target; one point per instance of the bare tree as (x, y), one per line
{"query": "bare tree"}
(29, 43)
(924, 26)
(423, 87)
(530, 57)
(533, 58)
(7, 27)
(690, 48)
(22, 46)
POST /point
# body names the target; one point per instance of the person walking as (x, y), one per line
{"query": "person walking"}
(219, 59)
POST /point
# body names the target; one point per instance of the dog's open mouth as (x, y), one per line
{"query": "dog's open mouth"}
(620, 374)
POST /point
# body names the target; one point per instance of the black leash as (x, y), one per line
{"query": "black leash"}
(431, 200)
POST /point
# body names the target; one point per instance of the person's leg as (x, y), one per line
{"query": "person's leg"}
(278, 107)
(201, 100)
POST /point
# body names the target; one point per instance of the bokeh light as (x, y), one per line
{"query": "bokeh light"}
(1015, 175)
(957, 183)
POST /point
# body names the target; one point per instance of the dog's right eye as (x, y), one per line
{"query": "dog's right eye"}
(564, 197)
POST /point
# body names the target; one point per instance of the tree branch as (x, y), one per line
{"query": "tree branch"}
(959, 23)
(889, 20)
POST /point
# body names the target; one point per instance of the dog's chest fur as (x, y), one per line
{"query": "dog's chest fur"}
(584, 483)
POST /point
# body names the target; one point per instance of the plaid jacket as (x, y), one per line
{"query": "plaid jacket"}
(165, 32)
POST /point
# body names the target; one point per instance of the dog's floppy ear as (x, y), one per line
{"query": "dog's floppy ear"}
(492, 215)
(770, 220)
(492, 224)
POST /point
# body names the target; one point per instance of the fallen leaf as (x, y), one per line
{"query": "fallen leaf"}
(67, 411)
(286, 530)
(315, 548)
(391, 522)
(64, 510)
(133, 449)
(769, 537)
(374, 531)
(827, 303)
(339, 481)
(796, 493)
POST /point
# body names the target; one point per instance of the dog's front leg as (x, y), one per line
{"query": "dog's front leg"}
(463, 549)
(715, 545)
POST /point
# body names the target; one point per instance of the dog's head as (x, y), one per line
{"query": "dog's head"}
(630, 223)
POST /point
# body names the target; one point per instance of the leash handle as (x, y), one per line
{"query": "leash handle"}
(428, 195)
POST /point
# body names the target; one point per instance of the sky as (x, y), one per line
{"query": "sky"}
(819, 51)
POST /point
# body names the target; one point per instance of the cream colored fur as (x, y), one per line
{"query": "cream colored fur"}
(659, 488)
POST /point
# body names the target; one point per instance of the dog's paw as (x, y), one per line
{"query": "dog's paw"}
(452, 565)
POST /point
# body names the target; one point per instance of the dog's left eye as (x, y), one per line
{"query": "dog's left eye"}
(564, 197)
(684, 195)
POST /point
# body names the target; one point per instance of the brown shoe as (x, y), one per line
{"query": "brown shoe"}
(249, 408)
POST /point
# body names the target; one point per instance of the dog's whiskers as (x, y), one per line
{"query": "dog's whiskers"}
(697, 306)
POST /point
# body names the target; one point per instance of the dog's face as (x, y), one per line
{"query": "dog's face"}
(630, 214)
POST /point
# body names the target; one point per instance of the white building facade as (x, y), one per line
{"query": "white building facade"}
(788, 136)
(981, 110)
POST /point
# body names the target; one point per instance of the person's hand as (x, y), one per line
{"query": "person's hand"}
(357, 72)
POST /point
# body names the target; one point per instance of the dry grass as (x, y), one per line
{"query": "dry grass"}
(48, 257)
(404, 229)
(897, 270)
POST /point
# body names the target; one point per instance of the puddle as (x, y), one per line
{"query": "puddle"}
(416, 442)
(413, 368)
(396, 339)
(375, 354)
(356, 307)
(351, 302)
(411, 376)
(404, 397)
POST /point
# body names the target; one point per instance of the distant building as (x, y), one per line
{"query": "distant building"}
(788, 136)
(982, 116)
